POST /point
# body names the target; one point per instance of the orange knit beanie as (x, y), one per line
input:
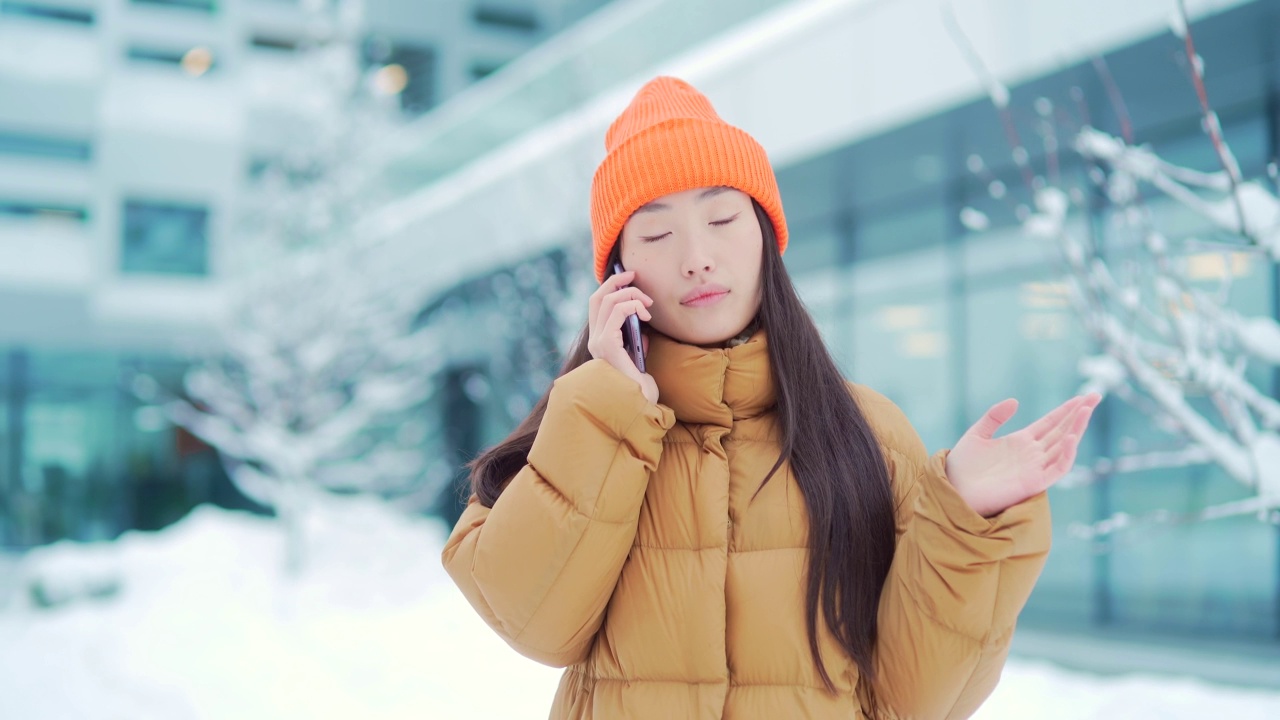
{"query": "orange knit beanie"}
(668, 140)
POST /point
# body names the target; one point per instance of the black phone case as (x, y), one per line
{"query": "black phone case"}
(631, 332)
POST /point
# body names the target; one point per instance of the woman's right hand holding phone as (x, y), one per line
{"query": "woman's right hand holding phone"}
(610, 306)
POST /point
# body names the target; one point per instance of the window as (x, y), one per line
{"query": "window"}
(258, 167)
(44, 146)
(42, 211)
(418, 95)
(813, 246)
(506, 18)
(902, 229)
(267, 42)
(462, 416)
(208, 6)
(171, 57)
(164, 238)
(1022, 339)
(484, 68)
(40, 11)
(419, 65)
(899, 310)
(194, 61)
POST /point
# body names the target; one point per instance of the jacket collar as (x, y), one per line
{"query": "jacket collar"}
(712, 386)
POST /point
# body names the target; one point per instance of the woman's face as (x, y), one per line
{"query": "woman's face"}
(697, 253)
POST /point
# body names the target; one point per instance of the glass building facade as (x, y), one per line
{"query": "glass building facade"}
(82, 458)
(947, 321)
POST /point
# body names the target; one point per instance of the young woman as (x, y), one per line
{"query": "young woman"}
(738, 532)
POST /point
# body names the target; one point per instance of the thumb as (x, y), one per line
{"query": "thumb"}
(998, 415)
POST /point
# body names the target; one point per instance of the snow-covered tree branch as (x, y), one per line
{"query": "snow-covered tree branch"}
(1167, 345)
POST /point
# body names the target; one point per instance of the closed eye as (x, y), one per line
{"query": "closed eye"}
(726, 221)
(651, 238)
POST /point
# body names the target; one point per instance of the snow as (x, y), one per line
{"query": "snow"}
(1266, 457)
(1260, 336)
(974, 219)
(999, 93)
(1249, 209)
(202, 627)
(196, 622)
(1052, 204)
(1104, 372)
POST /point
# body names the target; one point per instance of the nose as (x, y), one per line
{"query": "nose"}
(697, 258)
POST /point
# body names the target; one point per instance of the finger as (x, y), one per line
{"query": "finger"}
(611, 284)
(1075, 426)
(644, 343)
(612, 300)
(1088, 402)
(1073, 422)
(613, 331)
(1042, 427)
(998, 415)
(624, 309)
(628, 293)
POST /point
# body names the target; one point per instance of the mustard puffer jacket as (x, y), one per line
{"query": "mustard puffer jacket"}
(629, 550)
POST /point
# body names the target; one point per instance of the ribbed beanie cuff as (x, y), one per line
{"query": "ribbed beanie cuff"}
(668, 140)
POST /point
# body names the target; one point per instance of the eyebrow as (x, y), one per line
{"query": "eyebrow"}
(709, 192)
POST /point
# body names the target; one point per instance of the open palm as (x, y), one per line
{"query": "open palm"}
(993, 474)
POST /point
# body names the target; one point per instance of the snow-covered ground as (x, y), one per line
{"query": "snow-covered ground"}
(194, 622)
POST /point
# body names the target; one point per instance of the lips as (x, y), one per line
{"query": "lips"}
(703, 294)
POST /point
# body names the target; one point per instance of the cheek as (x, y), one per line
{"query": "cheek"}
(750, 246)
(638, 255)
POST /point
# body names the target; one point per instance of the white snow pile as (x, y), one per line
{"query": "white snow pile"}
(197, 622)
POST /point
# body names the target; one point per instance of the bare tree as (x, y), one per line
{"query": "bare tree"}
(321, 382)
(1164, 343)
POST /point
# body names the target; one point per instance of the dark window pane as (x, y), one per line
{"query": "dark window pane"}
(419, 63)
(194, 61)
(208, 6)
(43, 146)
(163, 238)
(900, 229)
(506, 18)
(14, 208)
(267, 42)
(481, 70)
(78, 16)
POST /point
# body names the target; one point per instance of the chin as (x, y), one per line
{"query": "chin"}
(709, 336)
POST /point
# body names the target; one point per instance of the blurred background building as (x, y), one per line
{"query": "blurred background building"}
(130, 131)
(127, 139)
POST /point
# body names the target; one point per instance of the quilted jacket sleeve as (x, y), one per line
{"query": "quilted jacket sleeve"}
(956, 585)
(542, 563)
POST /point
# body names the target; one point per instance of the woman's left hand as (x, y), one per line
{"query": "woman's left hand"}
(993, 474)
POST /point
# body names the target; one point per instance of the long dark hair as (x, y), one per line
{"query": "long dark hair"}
(834, 457)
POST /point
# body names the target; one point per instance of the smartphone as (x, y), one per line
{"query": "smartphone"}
(631, 331)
